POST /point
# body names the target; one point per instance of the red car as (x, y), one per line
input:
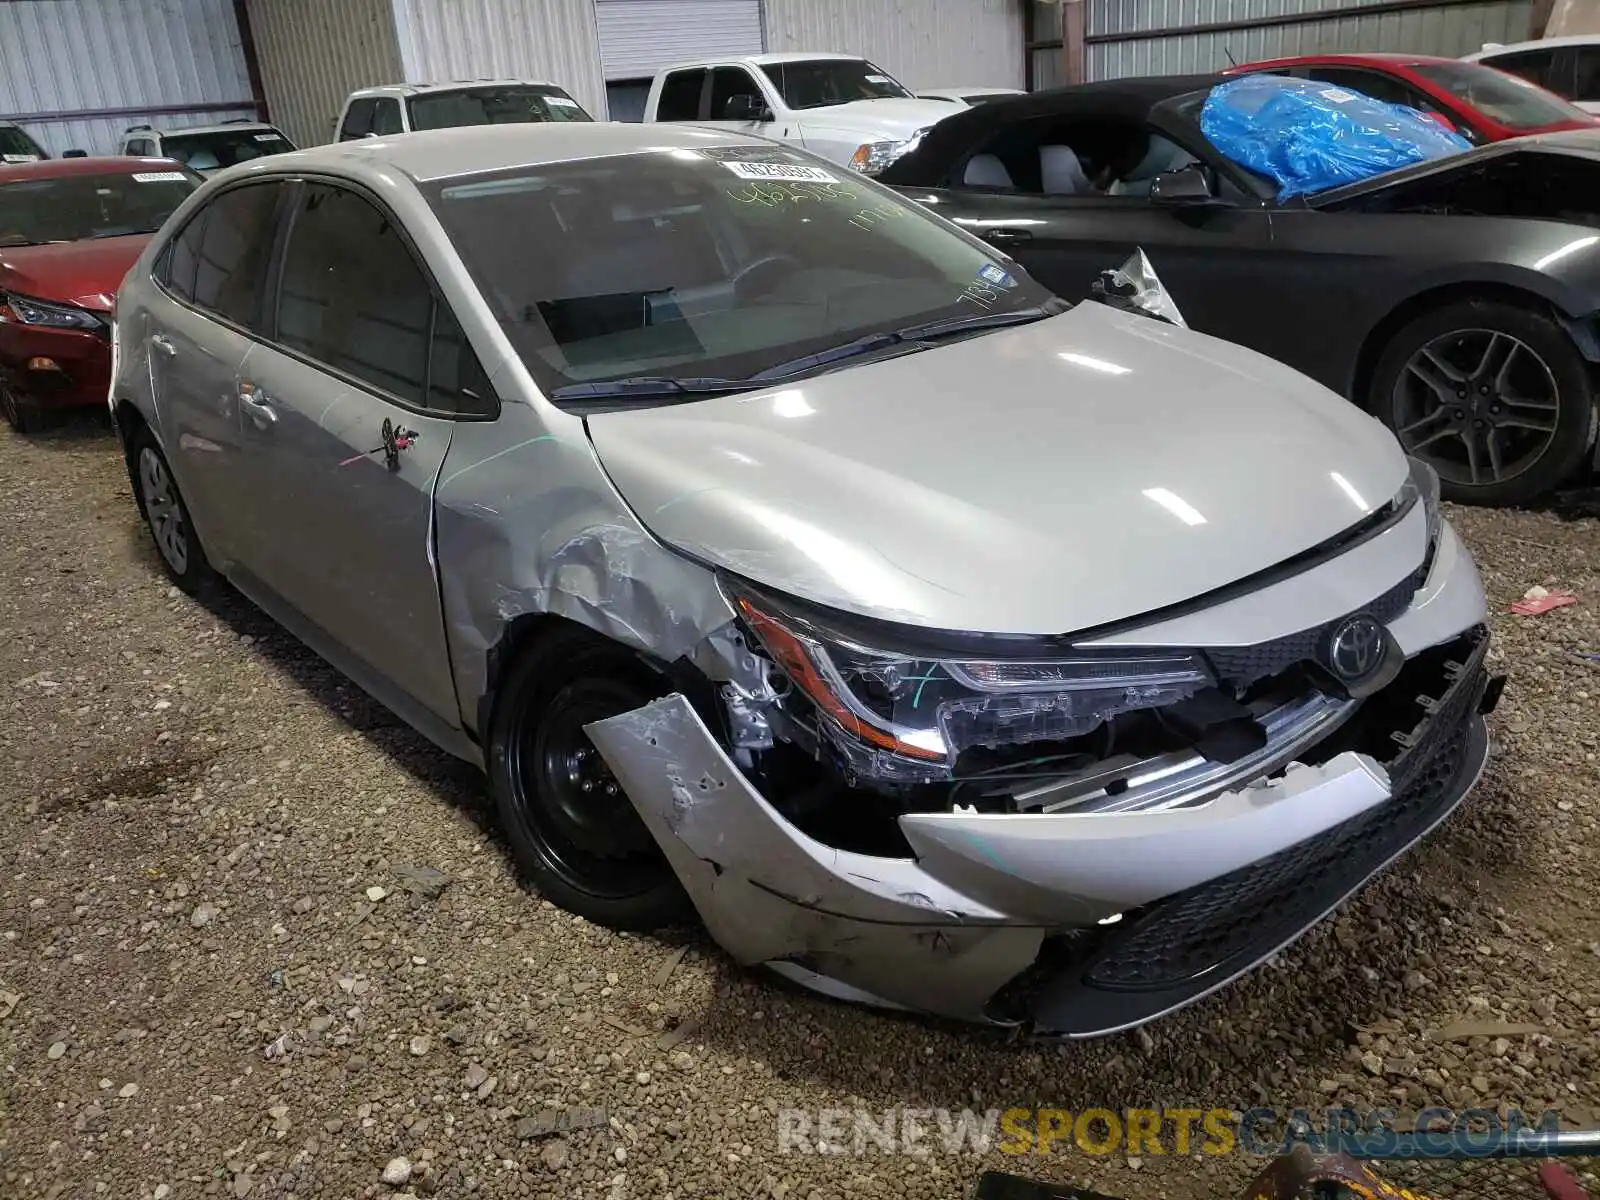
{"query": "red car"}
(1480, 103)
(69, 231)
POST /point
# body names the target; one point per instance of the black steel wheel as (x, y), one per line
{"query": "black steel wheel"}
(570, 825)
(1494, 396)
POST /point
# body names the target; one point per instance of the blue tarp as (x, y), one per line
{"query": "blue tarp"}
(1307, 136)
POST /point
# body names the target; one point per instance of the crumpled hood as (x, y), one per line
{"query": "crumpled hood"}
(888, 119)
(86, 273)
(1083, 469)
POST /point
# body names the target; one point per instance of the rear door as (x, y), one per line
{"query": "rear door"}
(348, 413)
(197, 334)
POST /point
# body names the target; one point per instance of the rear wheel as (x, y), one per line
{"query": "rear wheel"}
(166, 515)
(1494, 396)
(571, 826)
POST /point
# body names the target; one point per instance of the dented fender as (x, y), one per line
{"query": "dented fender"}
(527, 523)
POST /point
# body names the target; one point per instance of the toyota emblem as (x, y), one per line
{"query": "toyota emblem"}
(1356, 648)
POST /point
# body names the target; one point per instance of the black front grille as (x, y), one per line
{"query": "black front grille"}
(1260, 907)
(1181, 947)
(1243, 665)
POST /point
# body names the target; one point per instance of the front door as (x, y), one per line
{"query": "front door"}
(344, 440)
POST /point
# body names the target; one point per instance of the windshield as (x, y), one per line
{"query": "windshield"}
(71, 207)
(494, 106)
(817, 83)
(708, 263)
(1512, 101)
(223, 147)
(17, 146)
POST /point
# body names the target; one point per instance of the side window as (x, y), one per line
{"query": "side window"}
(358, 119)
(1585, 73)
(680, 96)
(1533, 65)
(176, 268)
(235, 244)
(352, 296)
(726, 83)
(457, 382)
(141, 148)
(387, 118)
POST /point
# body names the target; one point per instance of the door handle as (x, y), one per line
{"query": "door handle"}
(160, 341)
(257, 405)
(1006, 237)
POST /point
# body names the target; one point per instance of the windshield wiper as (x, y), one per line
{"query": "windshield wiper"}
(917, 337)
(645, 386)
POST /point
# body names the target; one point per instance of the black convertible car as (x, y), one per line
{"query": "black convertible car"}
(1456, 300)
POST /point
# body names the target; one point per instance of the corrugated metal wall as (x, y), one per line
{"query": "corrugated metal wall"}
(314, 53)
(924, 43)
(510, 39)
(76, 55)
(1452, 30)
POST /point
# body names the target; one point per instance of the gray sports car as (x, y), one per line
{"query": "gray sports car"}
(782, 553)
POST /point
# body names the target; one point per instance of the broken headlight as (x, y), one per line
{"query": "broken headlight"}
(1423, 488)
(901, 710)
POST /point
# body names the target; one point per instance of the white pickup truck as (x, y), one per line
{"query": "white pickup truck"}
(836, 105)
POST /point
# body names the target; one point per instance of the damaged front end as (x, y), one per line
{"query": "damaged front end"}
(1027, 830)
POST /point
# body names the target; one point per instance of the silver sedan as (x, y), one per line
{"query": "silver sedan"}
(786, 555)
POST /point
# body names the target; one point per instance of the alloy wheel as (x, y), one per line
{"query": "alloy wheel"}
(1479, 405)
(163, 511)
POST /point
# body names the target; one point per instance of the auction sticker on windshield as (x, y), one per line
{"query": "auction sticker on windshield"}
(789, 172)
(159, 176)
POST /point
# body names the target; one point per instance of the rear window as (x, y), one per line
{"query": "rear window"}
(494, 106)
(70, 208)
(223, 147)
(1508, 99)
(17, 146)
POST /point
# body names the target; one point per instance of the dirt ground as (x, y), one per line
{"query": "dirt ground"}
(202, 993)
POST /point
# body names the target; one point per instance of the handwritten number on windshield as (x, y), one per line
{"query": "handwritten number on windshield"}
(774, 194)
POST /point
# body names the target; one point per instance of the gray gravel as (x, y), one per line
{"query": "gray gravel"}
(259, 939)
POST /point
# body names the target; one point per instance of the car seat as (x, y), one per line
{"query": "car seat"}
(985, 170)
(202, 160)
(1060, 172)
(1161, 157)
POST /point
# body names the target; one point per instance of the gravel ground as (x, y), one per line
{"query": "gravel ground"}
(259, 939)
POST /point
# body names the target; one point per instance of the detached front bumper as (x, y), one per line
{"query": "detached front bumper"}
(935, 934)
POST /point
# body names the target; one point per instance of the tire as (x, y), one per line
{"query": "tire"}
(166, 515)
(572, 829)
(1495, 396)
(20, 415)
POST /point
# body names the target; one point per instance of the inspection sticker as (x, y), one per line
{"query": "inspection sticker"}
(159, 176)
(996, 276)
(1337, 95)
(18, 158)
(788, 172)
(268, 137)
(561, 101)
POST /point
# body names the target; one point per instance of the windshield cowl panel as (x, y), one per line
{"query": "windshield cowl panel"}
(668, 275)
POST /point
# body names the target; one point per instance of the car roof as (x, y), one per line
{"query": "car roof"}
(220, 127)
(419, 89)
(1497, 48)
(58, 168)
(478, 149)
(764, 60)
(1375, 59)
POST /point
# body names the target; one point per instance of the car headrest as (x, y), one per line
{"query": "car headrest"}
(1161, 157)
(1060, 172)
(985, 170)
